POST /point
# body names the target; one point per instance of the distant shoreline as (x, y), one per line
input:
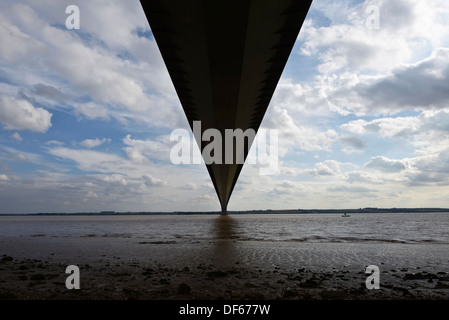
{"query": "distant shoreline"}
(285, 211)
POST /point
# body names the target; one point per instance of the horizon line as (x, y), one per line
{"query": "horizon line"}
(255, 211)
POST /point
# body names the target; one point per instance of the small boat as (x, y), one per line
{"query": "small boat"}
(345, 215)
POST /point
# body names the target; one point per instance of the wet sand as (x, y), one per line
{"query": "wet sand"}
(33, 268)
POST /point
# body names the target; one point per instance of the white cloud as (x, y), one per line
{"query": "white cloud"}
(151, 181)
(17, 136)
(296, 135)
(365, 71)
(92, 110)
(321, 169)
(4, 177)
(407, 29)
(387, 127)
(386, 165)
(55, 142)
(21, 157)
(350, 189)
(114, 168)
(99, 74)
(17, 114)
(16, 45)
(190, 186)
(327, 168)
(348, 47)
(91, 194)
(363, 177)
(92, 143)
(298, 97)
(430, 169)
(140, 151)
(115, 67)
(115, 179)
(421, 85)
(89, 160)
(428, 131)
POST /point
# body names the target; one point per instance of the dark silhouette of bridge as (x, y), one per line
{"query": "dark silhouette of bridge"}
(225, 58)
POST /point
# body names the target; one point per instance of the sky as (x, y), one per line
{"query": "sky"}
(361, 109)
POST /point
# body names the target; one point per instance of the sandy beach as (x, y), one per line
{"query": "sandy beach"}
(39, 273)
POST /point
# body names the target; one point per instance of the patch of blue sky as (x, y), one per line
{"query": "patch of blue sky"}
(141, 129)
(10, 76)
(407, 113)
(60, 26)
(26, 164)
(354, 3)
(300, 68)
(30, 141)
(64, 105)
(422, 50)
(126, 56)
(4, 77)
(25, 156)
(82, 97)
(143, 33)
(89, 39)
(70, 130)
(318, 18)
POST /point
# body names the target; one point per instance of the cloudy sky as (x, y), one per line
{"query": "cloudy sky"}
(86, 115)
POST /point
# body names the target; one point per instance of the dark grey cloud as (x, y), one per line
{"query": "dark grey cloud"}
(437, 122)
(354, 142)
(47, 91)
(431, 170)
(422, 85)
(396, 15)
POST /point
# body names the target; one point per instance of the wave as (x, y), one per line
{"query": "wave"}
(241, 237)
(318, 239)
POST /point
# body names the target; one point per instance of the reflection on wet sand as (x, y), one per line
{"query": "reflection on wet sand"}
(225, 231)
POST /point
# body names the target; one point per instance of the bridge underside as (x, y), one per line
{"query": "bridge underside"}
(225, 58)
